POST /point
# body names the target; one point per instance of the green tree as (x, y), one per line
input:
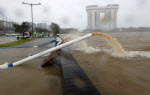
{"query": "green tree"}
(25, 26)
(55, 28)
(17, 28)
(22, 28)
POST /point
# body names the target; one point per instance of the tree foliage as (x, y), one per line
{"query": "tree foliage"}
(55, 28)
(22, 28)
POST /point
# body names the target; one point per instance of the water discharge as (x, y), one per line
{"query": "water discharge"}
(66, 38)
(113, 42)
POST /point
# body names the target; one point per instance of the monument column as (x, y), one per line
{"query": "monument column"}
(97, 20)
(89, 19)
(93, 20)
(112, 19)
(115, 19)
(109, 19)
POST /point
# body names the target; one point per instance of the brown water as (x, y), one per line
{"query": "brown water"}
(110, 73)
(114, 75)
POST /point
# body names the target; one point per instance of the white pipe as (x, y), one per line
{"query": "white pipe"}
(59, 42)
(47, 51)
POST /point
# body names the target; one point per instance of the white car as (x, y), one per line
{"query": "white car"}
(9, 34)
(26, 35)
(12, 34)
(15, 34)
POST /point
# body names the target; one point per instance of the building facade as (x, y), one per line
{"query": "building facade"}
(6, 25)
(49, 28)
(42, 25)
(34, 25)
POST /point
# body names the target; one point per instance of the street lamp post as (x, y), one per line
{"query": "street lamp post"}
(31, 11)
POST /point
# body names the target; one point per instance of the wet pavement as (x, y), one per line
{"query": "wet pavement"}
(4, 39)
(29, 78)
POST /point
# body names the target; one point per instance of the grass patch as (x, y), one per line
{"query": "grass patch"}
(17, 42)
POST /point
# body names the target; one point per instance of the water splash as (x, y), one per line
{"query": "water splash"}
(82, 45)
(138, 54)
(66, 38)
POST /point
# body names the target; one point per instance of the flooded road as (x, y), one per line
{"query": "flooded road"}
(109, 72)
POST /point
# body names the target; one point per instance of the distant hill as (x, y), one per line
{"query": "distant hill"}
(130, 29)
(134, 29)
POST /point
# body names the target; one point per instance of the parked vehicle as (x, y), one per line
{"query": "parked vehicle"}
(26, 35)
(9, 34)
(16, 34)
(12, 34)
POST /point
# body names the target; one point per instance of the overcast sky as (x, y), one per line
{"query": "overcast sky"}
(72, 13)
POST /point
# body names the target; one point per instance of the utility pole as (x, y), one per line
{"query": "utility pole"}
(6, 24)
(31, 11)
(3, 23)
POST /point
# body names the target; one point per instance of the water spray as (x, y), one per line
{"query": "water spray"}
(117, 45)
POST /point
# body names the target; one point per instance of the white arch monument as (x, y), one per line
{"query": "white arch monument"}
(96, 21)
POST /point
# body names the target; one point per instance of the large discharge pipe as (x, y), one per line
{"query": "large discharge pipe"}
(45, 52)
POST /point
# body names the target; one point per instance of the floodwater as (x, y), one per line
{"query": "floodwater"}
(111, 73)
